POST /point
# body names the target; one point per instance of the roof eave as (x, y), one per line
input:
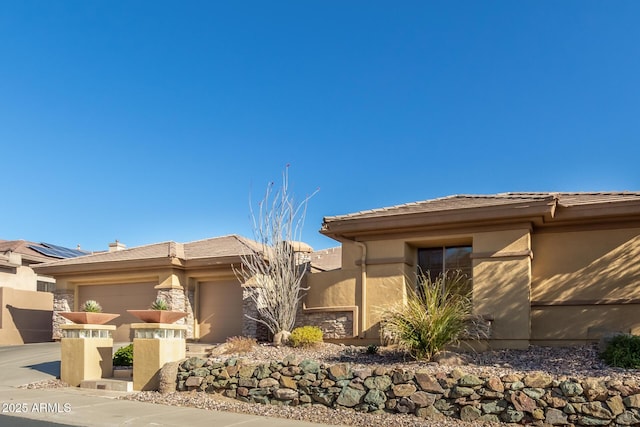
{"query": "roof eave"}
(108, 266)
(538, 211)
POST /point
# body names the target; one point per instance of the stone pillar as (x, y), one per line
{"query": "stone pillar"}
(86, 353)
(155, 344)
(63, 300)
(178, 301)
(249, 309)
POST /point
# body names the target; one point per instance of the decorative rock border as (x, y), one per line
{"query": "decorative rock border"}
(534, 398)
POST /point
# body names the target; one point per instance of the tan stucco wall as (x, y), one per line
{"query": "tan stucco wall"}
(502, 275)
(25, 316)
(331, 288)
(501, 281)
(598, 269)
(20, 276)
(85, 358)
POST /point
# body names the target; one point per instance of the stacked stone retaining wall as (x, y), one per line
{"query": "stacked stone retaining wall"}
(533, 398)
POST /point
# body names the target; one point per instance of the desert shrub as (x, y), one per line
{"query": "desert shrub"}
(91, 306)
(623, 351)
(305, 336)
(435, 315)
(123, 356)
(159, 304)
(240, 344)
(372, 349)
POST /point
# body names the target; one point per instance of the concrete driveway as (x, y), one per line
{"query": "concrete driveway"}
(23, 364)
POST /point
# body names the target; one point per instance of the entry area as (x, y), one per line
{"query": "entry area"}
(220, 314)
(119, 299)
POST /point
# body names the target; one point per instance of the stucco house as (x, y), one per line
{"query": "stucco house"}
(26, 301)
(197, 277)
(546, 268)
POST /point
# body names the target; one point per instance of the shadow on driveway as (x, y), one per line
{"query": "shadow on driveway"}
(51, 368)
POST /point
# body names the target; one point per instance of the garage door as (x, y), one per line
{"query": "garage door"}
(220, 310)
(119, 299)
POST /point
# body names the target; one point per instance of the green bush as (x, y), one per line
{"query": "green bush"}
(123, 356)
(623, 351)
(435, 315)
(91, 306)
(305, 336)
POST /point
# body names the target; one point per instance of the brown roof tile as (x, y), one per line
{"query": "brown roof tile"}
(22, 247)
(217, 247)
(469, 201)
(326, 259)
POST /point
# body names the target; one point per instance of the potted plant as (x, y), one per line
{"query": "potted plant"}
(91, 313)
(158, 312)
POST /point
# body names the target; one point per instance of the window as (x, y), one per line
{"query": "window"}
(45, 286)
(446, 259)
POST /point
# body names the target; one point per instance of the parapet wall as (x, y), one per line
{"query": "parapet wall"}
(517, 398)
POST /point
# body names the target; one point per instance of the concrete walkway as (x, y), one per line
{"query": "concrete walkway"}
(82, 407)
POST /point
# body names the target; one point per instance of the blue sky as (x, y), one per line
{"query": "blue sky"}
(148, 121)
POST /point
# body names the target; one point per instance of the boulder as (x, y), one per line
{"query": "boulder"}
(340, 371)
(168, 375)
(375, 397)
(632, 401)
(285, 394)
(555, 417)
(382, 382)
(309, 366)
(470, 381)
(469, 413)
(595, 389)
(403, 390)
(427, 382)
(350, 397)
(495, 384)
(537, 380)
(422, 399)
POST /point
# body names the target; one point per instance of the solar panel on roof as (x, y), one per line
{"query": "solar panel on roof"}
(56, 251)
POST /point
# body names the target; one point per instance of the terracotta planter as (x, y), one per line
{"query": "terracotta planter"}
(158, 316)
(88, 318)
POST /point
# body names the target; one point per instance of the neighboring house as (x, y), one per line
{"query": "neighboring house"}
(546, 268)
(196, 276)
(26, 302)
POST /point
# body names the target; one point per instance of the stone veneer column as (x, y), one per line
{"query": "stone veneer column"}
(63, 300)
(249, 309)
(178, 301)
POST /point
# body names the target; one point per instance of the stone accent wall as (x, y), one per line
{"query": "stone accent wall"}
(178, 301)
(250, 327)
(334, 324)
(189, 302)
(63, 300)
(533, 398)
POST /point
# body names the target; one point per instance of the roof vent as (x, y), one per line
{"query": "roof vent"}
(117, 246)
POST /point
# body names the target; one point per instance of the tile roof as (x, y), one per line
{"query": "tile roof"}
(326, 259)
(22, 247)
(469, 201)
(217, 247)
